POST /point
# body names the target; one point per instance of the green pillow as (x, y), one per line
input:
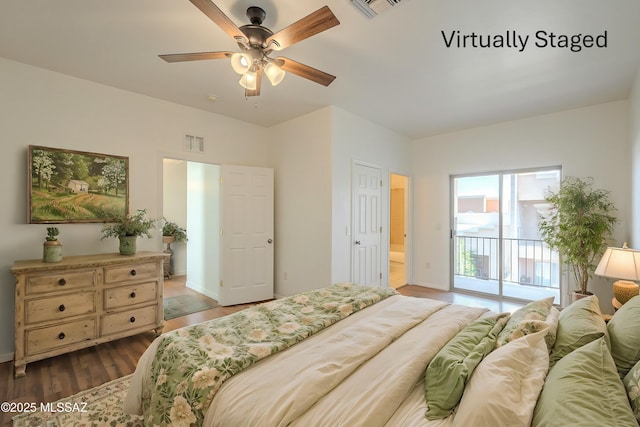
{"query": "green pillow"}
(584, 388)
(578, 324)
(448, 372)
(624, 330)
(632, 384)
(526, 320)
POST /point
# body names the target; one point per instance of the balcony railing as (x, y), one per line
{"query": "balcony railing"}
(526, 261)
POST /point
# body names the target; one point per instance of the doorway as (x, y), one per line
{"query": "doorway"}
(191, 198)
(398, 199)
(228, 213)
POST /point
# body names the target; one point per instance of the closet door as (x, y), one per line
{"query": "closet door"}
(246, 235)
(367, 228)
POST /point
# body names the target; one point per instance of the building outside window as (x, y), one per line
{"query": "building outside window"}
(495, 245)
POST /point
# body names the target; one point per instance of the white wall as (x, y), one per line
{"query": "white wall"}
(634, 137)
(301, 158)
(590, 141)
(44, 108)
(312, 156)
(355, 139)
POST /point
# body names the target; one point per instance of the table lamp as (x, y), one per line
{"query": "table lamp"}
(624, 264)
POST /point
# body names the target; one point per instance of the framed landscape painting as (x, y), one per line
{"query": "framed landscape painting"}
(76, 186)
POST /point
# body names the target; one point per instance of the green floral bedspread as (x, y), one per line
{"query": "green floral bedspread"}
(191, 363)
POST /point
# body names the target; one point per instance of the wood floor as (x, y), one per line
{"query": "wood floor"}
(52, 379)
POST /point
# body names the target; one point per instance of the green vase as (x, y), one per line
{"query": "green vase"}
(52, 251)
(128, 245)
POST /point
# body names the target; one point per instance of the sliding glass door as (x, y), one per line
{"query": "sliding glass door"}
(495, 245)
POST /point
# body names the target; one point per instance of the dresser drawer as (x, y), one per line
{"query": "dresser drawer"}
(62, 335)
(118, 322)
(143, 271)
(60, 281)
(124, 296)
(59, 307)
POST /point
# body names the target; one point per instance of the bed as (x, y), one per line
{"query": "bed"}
(350, 355)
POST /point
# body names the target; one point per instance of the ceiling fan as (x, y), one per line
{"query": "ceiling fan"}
(257, 42)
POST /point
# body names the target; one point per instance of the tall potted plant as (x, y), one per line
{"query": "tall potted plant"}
(171, 232)
(578, 224)
(128, 228)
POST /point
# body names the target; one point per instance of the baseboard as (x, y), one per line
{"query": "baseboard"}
(210, 294)
(431, 286)
(7, 357)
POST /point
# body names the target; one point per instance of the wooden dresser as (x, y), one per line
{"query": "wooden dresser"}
(83, 301)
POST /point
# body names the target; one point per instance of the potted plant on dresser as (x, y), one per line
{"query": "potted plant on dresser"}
(171, 233)
(578, 224)
(128, 228)
(52, 251)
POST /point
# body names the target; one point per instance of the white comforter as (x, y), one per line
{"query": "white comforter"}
(366, 370)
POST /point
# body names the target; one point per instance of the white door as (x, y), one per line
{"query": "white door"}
(367, 229)
(246, 234)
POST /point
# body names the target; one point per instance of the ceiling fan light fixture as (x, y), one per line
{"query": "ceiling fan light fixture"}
(249, 80)
(241, 62)
(256, 42)
(274, 73)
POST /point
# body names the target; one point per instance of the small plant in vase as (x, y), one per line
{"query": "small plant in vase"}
(172, 232)
(128, 228)
(52, 250)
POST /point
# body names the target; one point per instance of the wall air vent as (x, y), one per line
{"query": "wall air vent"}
(194, 144)
(372, 8)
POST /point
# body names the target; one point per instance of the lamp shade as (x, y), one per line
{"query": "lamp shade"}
(241, 62)
(274, 73)
(249, 80)
(620, 263)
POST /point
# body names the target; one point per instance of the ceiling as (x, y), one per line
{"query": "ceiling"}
(394, 69)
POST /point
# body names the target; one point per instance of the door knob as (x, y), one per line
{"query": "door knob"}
(270, 241)
(357, 242)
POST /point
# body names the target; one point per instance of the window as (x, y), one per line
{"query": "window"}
(495, 245)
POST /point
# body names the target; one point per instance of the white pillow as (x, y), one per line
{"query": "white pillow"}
(505, 386)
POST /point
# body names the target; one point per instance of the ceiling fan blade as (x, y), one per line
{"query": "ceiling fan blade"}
(255, 92)
(196, 56)
(216, 15)
(317, 22)
(305, 71)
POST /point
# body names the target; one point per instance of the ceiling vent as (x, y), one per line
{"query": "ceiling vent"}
(194, 144)
(372, 8)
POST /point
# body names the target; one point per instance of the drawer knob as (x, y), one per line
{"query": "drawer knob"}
(62, 282)
(133, 319)
(132, 295)
(62, 307)
(61, 336)
(133, 272)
